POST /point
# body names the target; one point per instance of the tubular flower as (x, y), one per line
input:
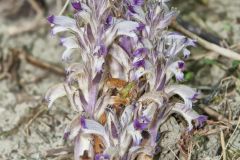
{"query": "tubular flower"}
(121, 60)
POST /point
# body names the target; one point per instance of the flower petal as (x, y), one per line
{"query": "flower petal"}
(188, 114)
(54, 93)
(186, 93)
(63, 21)
(95, 128)
(177, 69)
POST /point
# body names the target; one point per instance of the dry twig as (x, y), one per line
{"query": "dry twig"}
(210, 46)
(223, 145)
(58, 151)
(38, 63)
(231, 137)
(35, 116)
(23, 120)
(64, 7)
(212, 113)
(173, 153)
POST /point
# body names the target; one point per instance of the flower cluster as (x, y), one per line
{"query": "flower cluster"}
(122, 86)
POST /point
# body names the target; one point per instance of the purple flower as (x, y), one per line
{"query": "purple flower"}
(181, 65)
(66, 135)
(77, 6)
(140, 63)
(103, 50)
(126, 44)
(141, 27)
(109, 20)
(102, 157)
(140, 51)
(138, 2)
(195, 96)
(141, 123)
(201, 120)
(51, 19)
(83, 122)
(131, 8)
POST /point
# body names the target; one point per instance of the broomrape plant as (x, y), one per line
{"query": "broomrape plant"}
(122, 86)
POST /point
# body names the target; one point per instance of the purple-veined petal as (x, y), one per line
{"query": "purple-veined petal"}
(126, 44)
(97, 78)
(55, 92)
(186, 93)
(162, 83)
(90, 35)
(93, 91)
(158, 74)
